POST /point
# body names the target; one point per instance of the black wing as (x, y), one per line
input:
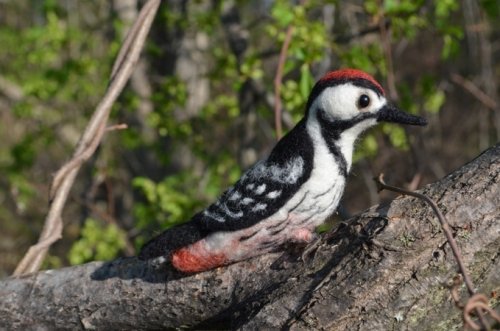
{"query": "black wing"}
(265, 187)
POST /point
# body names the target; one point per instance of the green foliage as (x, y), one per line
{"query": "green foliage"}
(167, 203)
(366, 148)
(176, 199)
(171, 95)
(397, 136)
(425, 94)
(434, 100)
(365, 57)
(51, 66)
(52, 262)
(97, 242)
(492, 8)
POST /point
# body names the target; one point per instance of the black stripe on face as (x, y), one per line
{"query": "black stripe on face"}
(331, 131)
(366, 84)
(332, 135)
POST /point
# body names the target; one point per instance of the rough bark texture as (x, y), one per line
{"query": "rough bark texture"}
(383, 270)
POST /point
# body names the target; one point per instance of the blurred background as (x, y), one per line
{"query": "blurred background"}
(200, 105)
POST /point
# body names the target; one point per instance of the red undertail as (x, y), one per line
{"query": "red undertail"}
(195, 258)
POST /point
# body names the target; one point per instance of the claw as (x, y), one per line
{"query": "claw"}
(310, 250)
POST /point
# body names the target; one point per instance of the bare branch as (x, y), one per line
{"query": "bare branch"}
(91, 137)
(385, 35)
(121, 126)
(278, 82)
(279, 77)
(10, 90)
(475, 91)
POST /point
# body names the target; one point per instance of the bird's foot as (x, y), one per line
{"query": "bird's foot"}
(310, 250)
(303, 236)
(310, 242)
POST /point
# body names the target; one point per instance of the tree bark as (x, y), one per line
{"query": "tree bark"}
(382, 270)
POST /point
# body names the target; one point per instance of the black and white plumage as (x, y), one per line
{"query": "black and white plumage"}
(286, 196)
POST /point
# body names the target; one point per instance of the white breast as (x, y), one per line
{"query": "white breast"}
(321, 193)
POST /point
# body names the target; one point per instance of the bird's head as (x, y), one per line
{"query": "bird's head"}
(352, 98)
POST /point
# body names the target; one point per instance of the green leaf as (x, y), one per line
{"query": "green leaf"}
(366, 148)
(97, 242)
(491, 7)
(282, 13)
(148, 188)
(435, 101)
(397, 136)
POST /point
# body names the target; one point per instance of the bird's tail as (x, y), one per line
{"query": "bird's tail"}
(171, 240)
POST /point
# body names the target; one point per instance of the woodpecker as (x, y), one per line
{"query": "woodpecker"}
(284, 197)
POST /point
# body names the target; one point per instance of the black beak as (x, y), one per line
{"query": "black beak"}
(390, 113)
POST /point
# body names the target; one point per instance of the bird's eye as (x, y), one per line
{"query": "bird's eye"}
(363, 101)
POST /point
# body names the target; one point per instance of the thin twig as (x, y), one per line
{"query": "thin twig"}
(147, 13)
(91, 137)
(12, 91)
(386, 42)
(75, 162)
(278, 81)
(121, 126)
(475, 91)
(447, 231)
(478, 302)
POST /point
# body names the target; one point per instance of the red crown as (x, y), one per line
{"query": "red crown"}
(350, 74)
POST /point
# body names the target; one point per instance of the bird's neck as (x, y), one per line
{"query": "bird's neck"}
(338, 135)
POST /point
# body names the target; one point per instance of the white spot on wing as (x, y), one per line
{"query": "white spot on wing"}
(235, 196)
(273, 194)
(214, 216)
(259, 207)
(260, 189)
(247, 201)
(250, 186)
(229, 212)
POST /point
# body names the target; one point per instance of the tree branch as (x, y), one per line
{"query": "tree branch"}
(384, 269)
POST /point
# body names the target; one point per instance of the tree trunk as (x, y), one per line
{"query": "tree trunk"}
(382, 270)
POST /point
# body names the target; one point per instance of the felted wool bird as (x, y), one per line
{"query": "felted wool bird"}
(284, 197)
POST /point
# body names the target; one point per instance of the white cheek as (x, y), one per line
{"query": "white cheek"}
(339, 101)
(377, 102)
